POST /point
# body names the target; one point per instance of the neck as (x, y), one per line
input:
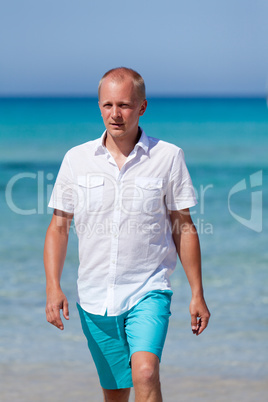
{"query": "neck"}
(121, 146)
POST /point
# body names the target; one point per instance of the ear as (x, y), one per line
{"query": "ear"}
(143, 107)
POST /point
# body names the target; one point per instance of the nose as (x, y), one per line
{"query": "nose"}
(116, 113)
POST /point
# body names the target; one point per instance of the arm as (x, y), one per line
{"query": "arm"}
(54, 256)
(187, 244)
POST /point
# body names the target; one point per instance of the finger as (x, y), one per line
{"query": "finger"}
(57, 320)
(49, 319)
(65, 310)
(202, 324)
(53, 317)
(194, 324)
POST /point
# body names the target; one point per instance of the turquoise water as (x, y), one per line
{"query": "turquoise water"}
(225, 143)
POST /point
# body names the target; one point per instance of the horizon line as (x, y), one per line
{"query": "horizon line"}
(149, 96)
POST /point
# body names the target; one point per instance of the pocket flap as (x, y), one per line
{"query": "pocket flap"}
(90, 181)
(149, 183)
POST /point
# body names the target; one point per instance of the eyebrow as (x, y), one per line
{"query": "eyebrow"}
(121, 102)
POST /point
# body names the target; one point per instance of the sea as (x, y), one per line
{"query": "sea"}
(225, 142)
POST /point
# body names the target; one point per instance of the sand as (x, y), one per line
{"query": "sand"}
(53, 383)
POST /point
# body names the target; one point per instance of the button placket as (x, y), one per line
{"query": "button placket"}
(114, 246)
(115, 232)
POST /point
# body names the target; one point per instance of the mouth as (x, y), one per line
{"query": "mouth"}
(117, 125)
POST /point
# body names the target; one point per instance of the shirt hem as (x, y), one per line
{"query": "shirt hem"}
(123, 311)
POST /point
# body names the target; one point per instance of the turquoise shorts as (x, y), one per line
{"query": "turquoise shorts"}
(113, 340)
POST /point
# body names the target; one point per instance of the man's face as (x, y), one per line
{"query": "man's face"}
(120, 107)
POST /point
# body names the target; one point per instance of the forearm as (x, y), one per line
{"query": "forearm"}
(54, 256)
(187, 244)
(188, 249)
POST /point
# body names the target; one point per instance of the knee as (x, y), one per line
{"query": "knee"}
(145, 374)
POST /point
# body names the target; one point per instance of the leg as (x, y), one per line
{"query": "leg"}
(145, 377)
(110, 351)
(146, 327)
(116, 395)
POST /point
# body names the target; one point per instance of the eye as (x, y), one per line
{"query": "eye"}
(107, 105)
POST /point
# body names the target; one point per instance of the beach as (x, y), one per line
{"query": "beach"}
(225, 144)
(37, 383)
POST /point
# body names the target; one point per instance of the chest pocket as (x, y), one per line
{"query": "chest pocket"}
(148, 195)
(91, 189)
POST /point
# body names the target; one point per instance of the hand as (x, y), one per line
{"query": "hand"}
(199, 315)
(56, 301)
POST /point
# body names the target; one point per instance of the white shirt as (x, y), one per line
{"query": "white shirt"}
(121, 219)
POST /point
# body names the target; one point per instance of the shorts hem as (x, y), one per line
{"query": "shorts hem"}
(158, 354)
(130, 385)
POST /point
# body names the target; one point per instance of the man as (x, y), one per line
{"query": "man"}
(130, 197)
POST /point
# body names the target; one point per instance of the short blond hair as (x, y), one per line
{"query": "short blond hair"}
(120, 73)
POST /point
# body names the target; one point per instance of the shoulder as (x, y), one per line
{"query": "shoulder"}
(81, 150)
(164, 147)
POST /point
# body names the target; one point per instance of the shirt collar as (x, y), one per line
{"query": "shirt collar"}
(142, 143)
(99, 146)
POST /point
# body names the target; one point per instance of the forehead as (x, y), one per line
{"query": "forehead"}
(118, 88)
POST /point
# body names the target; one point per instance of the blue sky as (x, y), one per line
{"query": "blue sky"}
(63, 47)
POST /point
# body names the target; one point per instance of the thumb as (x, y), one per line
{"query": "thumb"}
(65, 309)
(194, 322)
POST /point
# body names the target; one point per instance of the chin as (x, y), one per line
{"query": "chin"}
(117, 133)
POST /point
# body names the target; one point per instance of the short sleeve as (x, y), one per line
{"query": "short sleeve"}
(62, 196)
(180, 193)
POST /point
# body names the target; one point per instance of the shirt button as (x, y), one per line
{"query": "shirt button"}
(113, 261)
